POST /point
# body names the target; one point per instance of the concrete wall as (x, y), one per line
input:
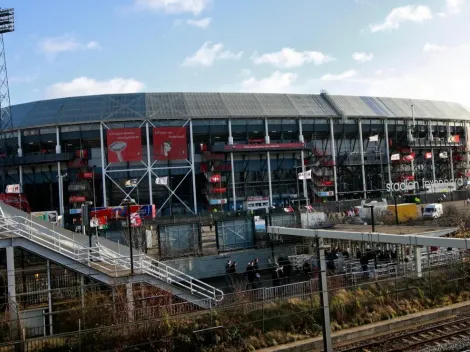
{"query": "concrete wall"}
(214, 265)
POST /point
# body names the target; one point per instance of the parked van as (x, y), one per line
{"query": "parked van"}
(433, 211)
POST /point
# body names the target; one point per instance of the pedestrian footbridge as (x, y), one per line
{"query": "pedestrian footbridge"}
(105, 261)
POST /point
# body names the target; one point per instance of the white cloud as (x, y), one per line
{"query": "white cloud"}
(362, 57)
(398, 15)
(89, 86)
(339, 77)
(434, 47)
(202, 23)
(290, 58)
(278, 82)
(208, 53)
(173, 6)
(64, 43)
(452, 7)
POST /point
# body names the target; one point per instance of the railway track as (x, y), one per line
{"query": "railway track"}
(416, 340)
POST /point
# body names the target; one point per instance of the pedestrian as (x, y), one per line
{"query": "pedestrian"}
(422, 211)
(250, 274)
(256, 267)
(210, 226)
(228, 277)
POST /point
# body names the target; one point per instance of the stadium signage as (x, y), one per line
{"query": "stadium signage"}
(257, 147)
(406, 186)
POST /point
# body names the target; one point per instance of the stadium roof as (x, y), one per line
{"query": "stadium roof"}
(141, 106)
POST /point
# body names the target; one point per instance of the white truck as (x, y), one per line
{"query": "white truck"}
(433, 211)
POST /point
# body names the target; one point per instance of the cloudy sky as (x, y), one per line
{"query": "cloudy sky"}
(399, 48)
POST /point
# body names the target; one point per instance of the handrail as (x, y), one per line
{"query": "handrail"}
(33, 231)
(153, 267)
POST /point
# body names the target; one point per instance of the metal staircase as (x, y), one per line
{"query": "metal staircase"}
(106, 261)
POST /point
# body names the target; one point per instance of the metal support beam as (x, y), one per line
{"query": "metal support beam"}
(149, 162)
(324, 302)
(268, 160)
(60, 180)
(49, 296)
(232, 166)
(431, 238)
(193, 171)
(433, 166)
(302, 157)
(103, 166)
(333, 157)
(387, 147)
(363, 169)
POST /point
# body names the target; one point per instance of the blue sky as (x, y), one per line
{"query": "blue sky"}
(398, 48)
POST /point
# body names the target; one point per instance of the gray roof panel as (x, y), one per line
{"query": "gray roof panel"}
(277, 105)
(311, 106)
(242, 105)
(177, 106)
(166, 106)
(205, 105)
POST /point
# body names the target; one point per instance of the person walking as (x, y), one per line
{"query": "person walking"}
(256, 267)
(250, 274)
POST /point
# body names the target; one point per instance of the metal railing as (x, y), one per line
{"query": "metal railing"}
(102, 258)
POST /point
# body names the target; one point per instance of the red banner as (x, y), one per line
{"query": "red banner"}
(215, 178)
(124, 144)
(219, 190)
(170, 143)
(77, 199)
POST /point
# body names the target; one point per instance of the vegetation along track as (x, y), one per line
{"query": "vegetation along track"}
(416, 340)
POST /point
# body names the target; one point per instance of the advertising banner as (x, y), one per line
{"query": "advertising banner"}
(170, 143)
(217, 201)
(49, 216)
(124, 144)
(262, 147)
(13, 189)
(120, 212)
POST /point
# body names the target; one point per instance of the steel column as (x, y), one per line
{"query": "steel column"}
(324, 302)
(49, 296)
(191, 141)
(467, 142)
(268, 161)
(433, 166)
(363, 169)
(60, 181)
(20, 149)
(333, 156)
(387, 147)
(149, 162)
(58, 148)
(103, 166)
(302, 156)
(232, 165)
(418, 264)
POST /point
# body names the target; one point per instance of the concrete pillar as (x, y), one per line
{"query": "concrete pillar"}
(268, 161)
(451, 161)
(432, 165)
(130, 301)
(11, 282)
(324, 302)
(417, 257)
(363, 169)
(333, 157)
(20, 149)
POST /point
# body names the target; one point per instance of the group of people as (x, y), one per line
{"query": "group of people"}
(252, 273)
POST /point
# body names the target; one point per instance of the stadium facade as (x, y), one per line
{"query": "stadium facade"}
(188, 152)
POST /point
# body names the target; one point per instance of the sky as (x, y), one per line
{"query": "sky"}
(398, 48)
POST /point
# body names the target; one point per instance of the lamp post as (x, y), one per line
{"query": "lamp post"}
(94, 194)
(396, 209)
(128, 202)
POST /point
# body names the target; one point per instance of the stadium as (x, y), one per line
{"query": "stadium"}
(195, 152)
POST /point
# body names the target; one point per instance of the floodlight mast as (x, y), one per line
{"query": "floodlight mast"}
(7, 25)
